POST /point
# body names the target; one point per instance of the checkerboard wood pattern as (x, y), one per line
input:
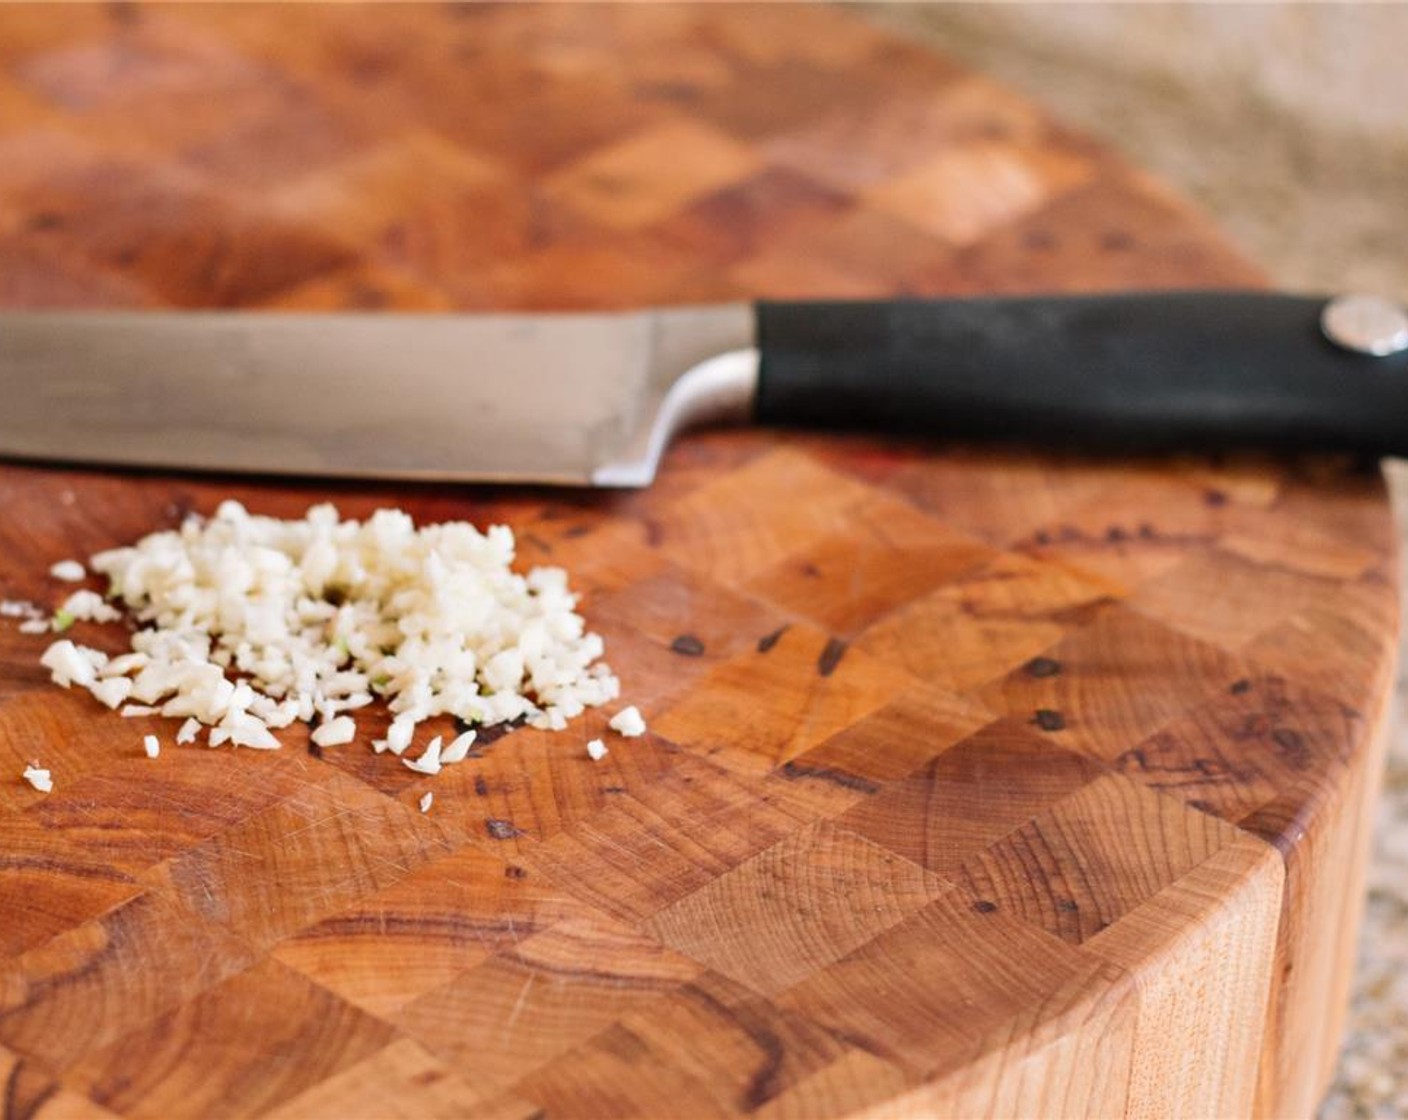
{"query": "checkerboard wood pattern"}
(978, 782)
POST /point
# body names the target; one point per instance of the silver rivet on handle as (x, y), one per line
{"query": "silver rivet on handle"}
(1366, 324)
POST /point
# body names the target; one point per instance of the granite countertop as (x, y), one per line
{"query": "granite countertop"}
(1371, 1080)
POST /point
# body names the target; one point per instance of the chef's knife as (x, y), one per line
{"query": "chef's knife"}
(593, 399)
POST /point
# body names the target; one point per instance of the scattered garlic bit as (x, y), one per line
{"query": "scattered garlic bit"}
(69, 664)
(597, 749)
(34, 619)
(342, 729)
(123, 664)
(151, 745)
(41, 780)
(458, 750)
(87, 606)
(628, 722)
(317, 617)
(398, 735)
(425, 802)
(245, 730)
(429, 762)
(188, 732)
(70, 571)
(112, 691)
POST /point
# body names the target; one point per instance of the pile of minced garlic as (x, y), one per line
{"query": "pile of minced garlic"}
(248, 624)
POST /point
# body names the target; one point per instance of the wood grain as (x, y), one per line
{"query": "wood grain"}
(979, 782)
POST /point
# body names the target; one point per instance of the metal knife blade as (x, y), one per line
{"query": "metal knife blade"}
(568, 399)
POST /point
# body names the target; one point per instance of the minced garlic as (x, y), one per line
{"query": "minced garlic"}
(248, 624)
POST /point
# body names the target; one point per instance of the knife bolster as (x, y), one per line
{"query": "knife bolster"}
(718, 390)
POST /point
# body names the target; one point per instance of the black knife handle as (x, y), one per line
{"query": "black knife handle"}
(1147, 371)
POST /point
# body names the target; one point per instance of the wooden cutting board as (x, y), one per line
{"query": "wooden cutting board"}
(978, 782)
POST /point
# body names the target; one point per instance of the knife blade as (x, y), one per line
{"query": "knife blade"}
(593, 399)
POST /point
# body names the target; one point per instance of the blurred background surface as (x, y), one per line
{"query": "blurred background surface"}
(1286, 123)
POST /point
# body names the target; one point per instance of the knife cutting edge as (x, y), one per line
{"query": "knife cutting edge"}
(594, 399)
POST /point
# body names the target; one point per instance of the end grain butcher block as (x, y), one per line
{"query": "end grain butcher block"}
(977, 783)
